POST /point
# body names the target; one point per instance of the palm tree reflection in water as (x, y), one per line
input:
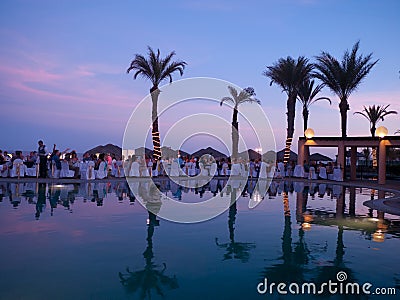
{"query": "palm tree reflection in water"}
(151, 276)
(299, 263)
(235, 250)
(292, 267)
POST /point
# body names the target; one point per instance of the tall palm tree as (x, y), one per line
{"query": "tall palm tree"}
(343, 77)
(289, 73)
(374, 114)
(245, 95)
(156, 69)
(306, 95)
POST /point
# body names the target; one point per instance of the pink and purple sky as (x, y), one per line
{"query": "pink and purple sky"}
(63, 63)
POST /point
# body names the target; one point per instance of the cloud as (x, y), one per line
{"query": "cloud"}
(209, 5)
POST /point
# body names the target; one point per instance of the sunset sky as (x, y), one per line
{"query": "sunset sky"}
(63, 63)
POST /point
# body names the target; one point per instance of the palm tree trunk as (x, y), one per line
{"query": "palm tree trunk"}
(305, 125)
(291, 110)
(343, 107)
(155, 92)
(374, 156)
(235, 133)
(373, 129)
(305, 119)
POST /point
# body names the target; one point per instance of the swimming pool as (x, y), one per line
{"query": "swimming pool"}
(95, 241)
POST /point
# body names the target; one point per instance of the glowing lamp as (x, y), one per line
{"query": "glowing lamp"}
(381, 131)
(309, 133)
(306, 226)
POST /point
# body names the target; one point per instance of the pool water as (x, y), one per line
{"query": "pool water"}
(95, 241)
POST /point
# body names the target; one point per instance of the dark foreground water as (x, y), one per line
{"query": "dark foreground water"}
(95, 241)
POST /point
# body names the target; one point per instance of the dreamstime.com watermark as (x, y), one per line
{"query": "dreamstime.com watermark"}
(338, 287)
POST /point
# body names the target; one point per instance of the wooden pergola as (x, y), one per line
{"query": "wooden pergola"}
(353, 143)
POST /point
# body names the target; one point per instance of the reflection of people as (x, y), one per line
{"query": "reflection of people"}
(54, 198)
(41, 201)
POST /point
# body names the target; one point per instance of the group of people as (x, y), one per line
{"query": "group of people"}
(145, 166)
(55, 164)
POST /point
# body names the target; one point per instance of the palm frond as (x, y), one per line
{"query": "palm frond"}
(233, 92)
(307, 93)
(155, 68)
(375, 113)
(343, 77)
(245, 95)
(226, 99)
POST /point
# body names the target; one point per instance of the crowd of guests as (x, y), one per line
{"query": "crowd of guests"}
(145, 166)
(58, 164)
(53, 164)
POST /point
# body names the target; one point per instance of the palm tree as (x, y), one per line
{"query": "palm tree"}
(245, 95)
(156, 69)
(306, 95)
(289, 74)
(374, 114)
(343, 77)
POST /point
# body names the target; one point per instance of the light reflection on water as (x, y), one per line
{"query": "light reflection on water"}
(94, 240)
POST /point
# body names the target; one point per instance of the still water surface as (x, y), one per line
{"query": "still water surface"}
(95, 241)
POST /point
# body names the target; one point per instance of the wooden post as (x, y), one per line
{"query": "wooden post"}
(353, 163)
(300, 156)
(341, 157)
(382, 162)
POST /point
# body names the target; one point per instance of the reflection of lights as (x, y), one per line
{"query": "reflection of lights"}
(59, 185)
(307, 218)
(286, 208)
(378, 236)
(373, 219)
(148, 221)
(306, 226)
(256, 196)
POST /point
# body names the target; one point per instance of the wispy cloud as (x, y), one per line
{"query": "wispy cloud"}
(209, 5)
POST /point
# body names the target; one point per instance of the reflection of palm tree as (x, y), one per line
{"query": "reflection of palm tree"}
(296, 256)
(326, 273)
(292, 266)
(156, 69)
(152, 277)
(245, 95)
(235, 250)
